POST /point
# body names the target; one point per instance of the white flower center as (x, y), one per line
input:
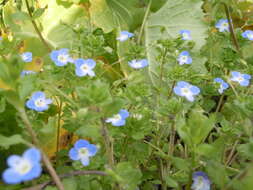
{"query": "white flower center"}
(83, 152)
(62, 58)
(250, 36)
(137, 64)
(240, 79)
(40, 102)
(84, 68)
(23, 167)
(184, 58)
(185, 35)
(186, 91)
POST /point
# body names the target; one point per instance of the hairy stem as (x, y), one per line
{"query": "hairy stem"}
(36, 27)
(231, 29)
(35, 141)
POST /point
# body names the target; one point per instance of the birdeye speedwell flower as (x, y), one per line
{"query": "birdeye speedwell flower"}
(186, 90)
(125, 35)
(38, 102)
(222, 25)
(184, 58)
(186, 34)
(61, 57)
(27, 57)
(23, 168)
(138, 64)
(82, 151)
(118, 119)
(248, 34)
(85, 67)
(242, 79)
(223, 85)
(200, 181)
(27, 72)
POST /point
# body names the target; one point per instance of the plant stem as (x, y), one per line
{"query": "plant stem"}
(35, 141)
(219, 104)
(58, 127)
(231, 29)
(36, 27)
(144, 21)
(108, 144)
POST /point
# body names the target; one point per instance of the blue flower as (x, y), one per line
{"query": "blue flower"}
(38, 102)
(248, 34)
(138, 64)
(223, 85)
(124, 35)
(27, 72)
(61, 57)
(85, 67)
(27, 57)
(118, 119)
(200, 181)
(187, 90)
(222, 25)
(23, 168)
(186, 34)
(82, 151)
(242, 79)
(184, 58)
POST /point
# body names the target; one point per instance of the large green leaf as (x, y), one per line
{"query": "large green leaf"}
(168, 21)
(109, 14)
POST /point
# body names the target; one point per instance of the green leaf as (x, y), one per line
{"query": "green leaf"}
(6, 142)
(38, 12)
(168, 21)
(20, 16)
(109, 14)
(131, 176)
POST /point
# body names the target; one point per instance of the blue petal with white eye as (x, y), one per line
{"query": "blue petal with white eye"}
(23, 168)
(186, 34)
(248, 34)
(222, 25)
(75, 153)
(186, 90)
(200, 181)
(138, 64)
(242, 79)
(61, 57)
(38, 97)
(184, 58)
(85, 67)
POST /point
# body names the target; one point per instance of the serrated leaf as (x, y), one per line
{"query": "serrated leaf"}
(6, 142)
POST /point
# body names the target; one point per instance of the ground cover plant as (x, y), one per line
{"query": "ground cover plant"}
(126, 95)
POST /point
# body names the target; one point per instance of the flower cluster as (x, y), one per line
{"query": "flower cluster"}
(23, 168)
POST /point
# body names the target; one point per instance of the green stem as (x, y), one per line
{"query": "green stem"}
(144, 21)
(231, 29)
(35, 141)
(36, 27)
